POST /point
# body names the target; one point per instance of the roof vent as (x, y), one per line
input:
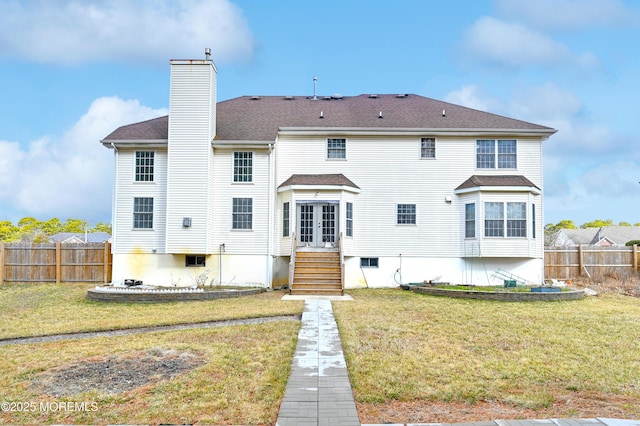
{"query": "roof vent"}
(444, 113)
(336, 96)
(401, 96)
(380, 115)
(327, 98)
(288, 98)
(207, 54)
(255, 98)
(373, 96)
(321, 114)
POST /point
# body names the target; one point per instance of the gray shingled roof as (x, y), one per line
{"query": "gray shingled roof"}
(258, 118)
(322, 179)
(508, 180)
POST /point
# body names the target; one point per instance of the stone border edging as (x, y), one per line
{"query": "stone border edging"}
(156, 297)
(506, 296)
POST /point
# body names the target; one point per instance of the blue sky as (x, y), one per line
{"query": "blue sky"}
(73, 71)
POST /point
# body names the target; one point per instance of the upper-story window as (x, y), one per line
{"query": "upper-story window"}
(144, 166)
(491, 154)
(428, 148)
(243, 166)
(336, 148)
(406, 214)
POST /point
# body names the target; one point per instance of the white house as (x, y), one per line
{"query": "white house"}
(400, 187)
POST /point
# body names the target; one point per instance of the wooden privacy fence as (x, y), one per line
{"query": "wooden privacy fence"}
(55, 262)
(590, 261)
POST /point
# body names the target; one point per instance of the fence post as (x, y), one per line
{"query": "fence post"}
(635, 258)
(580, 260)
(58, 262)
(1, 262)
(105, 257)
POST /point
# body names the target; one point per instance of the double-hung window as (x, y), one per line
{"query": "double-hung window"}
(470, 220)
(496, 221)
(428, 148)
(516, 219)
(336, 148)
(285, 219)
(144, 166)
(501, 154)
(406, 214)
(349, 214)
(242, 214)
(143, 213)
(243, 166)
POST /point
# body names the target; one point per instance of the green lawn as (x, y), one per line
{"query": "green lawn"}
(404, 346)
(401, 348)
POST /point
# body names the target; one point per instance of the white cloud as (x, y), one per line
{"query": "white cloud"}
(472, 96)
(68, 176)
(69, 32)
(509, 44)
(568, 14)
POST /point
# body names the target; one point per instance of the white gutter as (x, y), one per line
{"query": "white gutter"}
(530, 189)
(386, 131)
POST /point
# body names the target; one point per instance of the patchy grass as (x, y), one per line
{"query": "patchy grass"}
(241, 380)
(41, 309)
(403, 347)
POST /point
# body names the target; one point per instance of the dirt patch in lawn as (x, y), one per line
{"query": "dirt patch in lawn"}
(116, 374)
(575, 405)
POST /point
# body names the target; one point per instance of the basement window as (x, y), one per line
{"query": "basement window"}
(368, 262)
(192, 261)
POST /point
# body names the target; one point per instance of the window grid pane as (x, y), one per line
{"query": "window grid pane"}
(493, 219)
(485, 154)
(143, 213)
(470, 220)
(285, 219)
(516, 220)
(349, 213)
(243, 166)
(242, 213)
(507, 154)
(428, 148)
(336, 148)
(144, 166)
(406, 214)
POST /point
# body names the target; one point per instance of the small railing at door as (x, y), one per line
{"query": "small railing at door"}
(341, 262)
(292, 260)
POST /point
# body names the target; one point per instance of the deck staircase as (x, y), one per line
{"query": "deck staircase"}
(317, 273)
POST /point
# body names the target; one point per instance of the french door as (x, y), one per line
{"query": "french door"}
(317, 224)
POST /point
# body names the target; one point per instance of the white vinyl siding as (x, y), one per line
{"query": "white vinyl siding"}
(189, 182)
(225, 190)
(125, 238)
(413, 180)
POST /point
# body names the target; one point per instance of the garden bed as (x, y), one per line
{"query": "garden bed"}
(145, 295)
(511, 294)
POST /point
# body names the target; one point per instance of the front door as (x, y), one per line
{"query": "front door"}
(317, 224)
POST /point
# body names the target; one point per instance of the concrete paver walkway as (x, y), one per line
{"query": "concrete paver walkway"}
(318, 391)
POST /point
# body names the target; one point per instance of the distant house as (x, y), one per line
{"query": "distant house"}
(79, 238)
(604, 237)
(403, 187)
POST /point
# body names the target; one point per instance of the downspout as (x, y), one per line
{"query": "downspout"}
(271, 224)
(114, 200)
